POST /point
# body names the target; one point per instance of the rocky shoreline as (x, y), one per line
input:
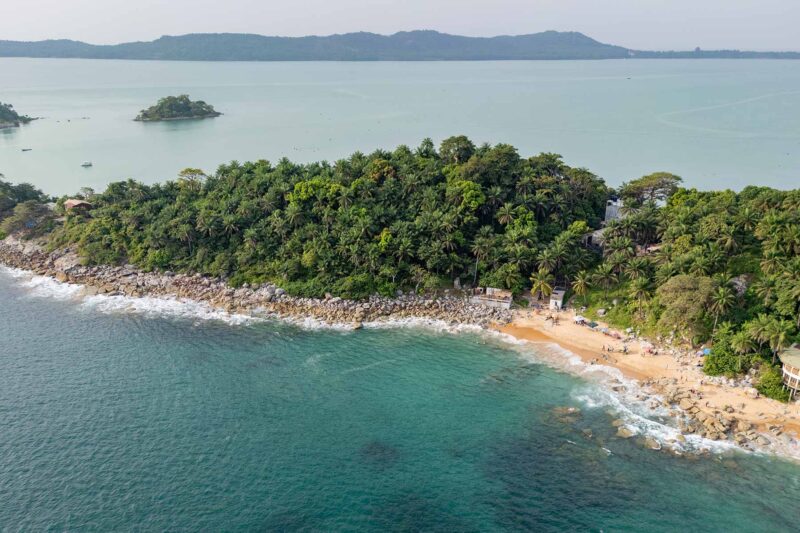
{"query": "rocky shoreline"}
(270, 301)
(265, 300)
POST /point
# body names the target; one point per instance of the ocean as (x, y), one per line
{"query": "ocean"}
(716, 123)
(151, 415)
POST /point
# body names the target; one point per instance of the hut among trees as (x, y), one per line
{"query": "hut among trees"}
(76, 205)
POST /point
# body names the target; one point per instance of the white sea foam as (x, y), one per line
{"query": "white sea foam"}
(160, 307)
(313, 324)
(43, 286)
(46, 287)
(627, 400)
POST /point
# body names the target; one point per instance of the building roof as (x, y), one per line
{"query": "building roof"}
(791, 356)
(75, 202)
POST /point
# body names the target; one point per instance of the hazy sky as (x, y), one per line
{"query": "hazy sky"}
(642, 24)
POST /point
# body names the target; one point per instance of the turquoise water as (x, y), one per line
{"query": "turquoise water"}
(129, 421)
(718, 123)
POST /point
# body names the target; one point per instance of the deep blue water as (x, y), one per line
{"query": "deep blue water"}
(125, 421)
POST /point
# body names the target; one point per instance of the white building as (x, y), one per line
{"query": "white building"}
(613, 208)
(557, 299)
(492, 297)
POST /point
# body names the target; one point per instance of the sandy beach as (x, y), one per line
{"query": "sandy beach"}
(674, 373)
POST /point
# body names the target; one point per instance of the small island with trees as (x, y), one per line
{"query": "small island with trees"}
(9, 118)
(177, 108)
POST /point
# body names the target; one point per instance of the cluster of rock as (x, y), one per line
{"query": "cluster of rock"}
(262, 300)
(712, 424)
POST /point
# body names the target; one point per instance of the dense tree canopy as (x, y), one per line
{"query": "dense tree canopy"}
(726, 269)
(177, 107)
(651, 188)
(22, 208)
(719, 267)
(9, 116)
(388, 220)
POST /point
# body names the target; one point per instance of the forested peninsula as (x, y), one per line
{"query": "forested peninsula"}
(419, 45)
(678, 264)
(9, 118)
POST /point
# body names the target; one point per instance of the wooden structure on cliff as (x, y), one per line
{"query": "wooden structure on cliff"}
(790, 358)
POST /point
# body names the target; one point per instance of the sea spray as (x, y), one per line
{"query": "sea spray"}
(608, 386)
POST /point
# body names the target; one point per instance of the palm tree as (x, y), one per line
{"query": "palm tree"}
(758, 328)
(546, 260)
(505, 215)
(620, 245)
(779, 336)
(628, 227)
(743, 344)
(728, 239)
(747, 219)
(542, 283)
(721, 302)
(640, 291)
(481, 249)
(771, 262)
(581, 284)
(605, 276)
(765, 289)
(637, 268)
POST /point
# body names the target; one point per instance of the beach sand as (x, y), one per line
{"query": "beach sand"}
(685, 368)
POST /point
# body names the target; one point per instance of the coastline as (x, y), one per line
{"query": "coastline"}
(262, 301)
(715, 408)
(172, 119)
(670, 384)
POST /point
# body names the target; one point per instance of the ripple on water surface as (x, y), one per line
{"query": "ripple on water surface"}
(132, 420)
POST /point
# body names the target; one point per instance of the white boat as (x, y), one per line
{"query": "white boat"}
(86, 164)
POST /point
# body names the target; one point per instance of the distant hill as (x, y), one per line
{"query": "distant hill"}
(402, 46)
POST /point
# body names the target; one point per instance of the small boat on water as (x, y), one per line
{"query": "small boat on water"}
(86, 164)
(27, 149)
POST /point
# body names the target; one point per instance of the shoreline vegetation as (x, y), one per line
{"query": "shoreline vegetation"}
(671, 380)
(177, 108)
(363, 46)
(409, 233)
(10, 118)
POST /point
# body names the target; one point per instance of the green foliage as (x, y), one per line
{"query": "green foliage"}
(11, 195)
(724, 357)
(177, 107)
(23, 211)
(8, 115)
(722, 257)
(406, 219)
(651, 188)
(770, 383)
(28, 219)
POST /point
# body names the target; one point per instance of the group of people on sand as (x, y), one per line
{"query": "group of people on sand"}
(610, 349)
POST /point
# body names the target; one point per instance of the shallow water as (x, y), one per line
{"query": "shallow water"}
(718, 123)
(115, 418)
